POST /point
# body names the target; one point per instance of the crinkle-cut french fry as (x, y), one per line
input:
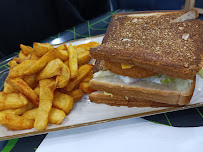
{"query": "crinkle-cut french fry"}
(41, 63)
(23, 88)
(56, 116)
(73, 62)
(15, 122)
(63, 101)
(19, 69)
(26, 49)
(52, 69)
(46, 95)
(63, 79)
(42, 48)
(76, 94)
(82, 73)
(12, 100)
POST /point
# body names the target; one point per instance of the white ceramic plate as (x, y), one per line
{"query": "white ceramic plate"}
(86, 113)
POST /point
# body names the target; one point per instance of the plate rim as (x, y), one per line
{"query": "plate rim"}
(33, 133)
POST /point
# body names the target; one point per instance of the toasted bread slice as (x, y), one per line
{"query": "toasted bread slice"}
(155, 41)
(135, 71)
(116, 100)
(147, 90)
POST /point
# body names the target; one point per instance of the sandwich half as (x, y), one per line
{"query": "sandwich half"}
(148, 59)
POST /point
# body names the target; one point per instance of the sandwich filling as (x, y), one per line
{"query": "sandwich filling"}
(161, 79)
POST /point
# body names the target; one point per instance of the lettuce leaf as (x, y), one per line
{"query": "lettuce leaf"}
(167, 80)
(200, 73)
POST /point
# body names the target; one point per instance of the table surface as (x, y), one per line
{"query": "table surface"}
(184, 118)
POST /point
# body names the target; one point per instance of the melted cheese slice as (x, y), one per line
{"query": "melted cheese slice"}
(126, 66)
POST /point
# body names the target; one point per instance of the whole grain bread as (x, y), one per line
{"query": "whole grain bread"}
(117, 100)
(167, 94)
(162, 42)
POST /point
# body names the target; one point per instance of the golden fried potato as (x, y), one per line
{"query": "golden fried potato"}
(62, 55)
(12, 100)
(8, 88)
(31, 114)
(73, 62)
(56, 116)
(30, 80)
(89, 77)
(82, 73)
(76, 94)
(52, 69)
(66, 62)
(13, 63)
(42, 48)
(23, 88)
(22, 110)
(85, 87)
(62, 47)
(63, 101)
(18, 111)
(87, 46)
(21, 55)
(79, 50)
(63, 79)
(41, 63)
(37, 90)
(19, 69)
(15, 122)
(84, 58)
(46, 94)
(4, 112)
(26, 49)
(34, 56)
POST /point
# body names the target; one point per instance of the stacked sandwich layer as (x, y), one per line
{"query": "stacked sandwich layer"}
(148, 59)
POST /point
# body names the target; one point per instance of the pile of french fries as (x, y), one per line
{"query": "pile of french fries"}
(43, 84)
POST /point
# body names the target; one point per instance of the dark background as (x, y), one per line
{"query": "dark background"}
(28, 21)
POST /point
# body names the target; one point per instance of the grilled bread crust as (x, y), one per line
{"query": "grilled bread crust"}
(135, 72)
(116, 100)
(154, 43)
(168, 15)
